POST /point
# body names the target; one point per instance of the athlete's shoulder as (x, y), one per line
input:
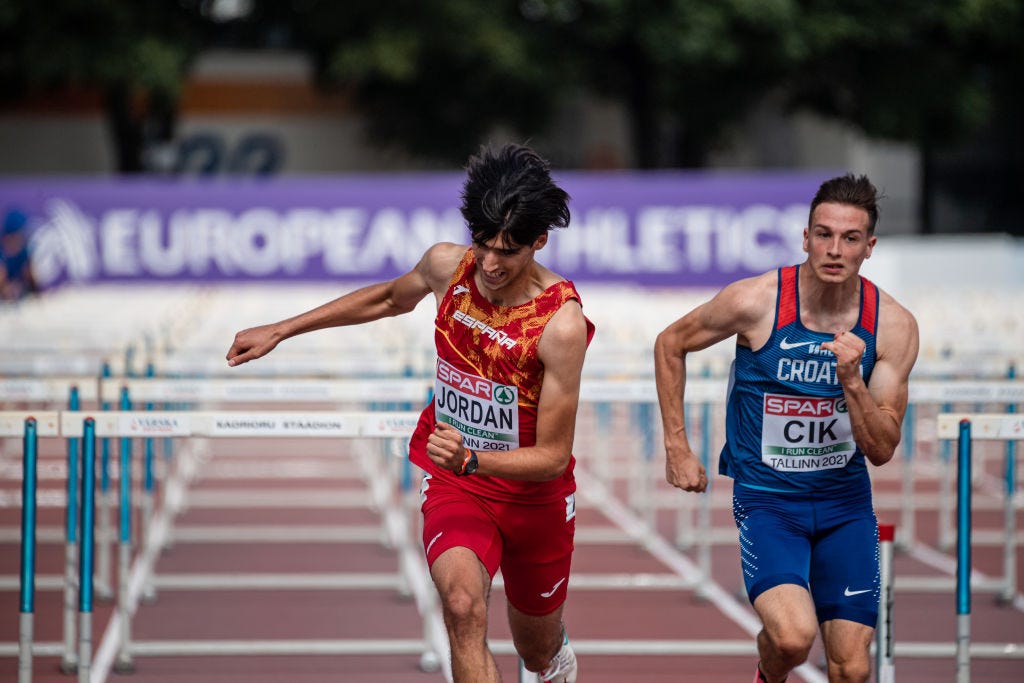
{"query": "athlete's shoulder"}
(445, 254)
(898, 333)
(439, 262)
(750, 295)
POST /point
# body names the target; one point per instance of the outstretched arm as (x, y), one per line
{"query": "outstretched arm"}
(381, 300)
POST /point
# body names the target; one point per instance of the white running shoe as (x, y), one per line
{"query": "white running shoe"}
(562, 668)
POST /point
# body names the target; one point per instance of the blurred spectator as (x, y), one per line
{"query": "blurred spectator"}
(15, 266)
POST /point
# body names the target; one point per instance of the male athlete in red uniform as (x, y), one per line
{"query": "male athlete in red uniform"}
(496, 442)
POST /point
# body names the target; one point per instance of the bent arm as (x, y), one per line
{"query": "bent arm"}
(736, 310)
(877, 410)
(376, 301)
(562, 349)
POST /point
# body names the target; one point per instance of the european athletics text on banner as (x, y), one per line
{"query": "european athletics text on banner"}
(647, 228)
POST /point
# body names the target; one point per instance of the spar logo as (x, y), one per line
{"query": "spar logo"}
(478, 387)
(504, 395)
(791, 406)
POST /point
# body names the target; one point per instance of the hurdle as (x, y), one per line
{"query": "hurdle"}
(209, 393)
(884, 645)
(30, 426)
(966, 429)
(366, 425)
(44, 393)
(49, 392)
(704, 396)
(946, 394)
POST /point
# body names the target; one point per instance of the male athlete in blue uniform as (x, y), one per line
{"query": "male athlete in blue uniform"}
(819, 383)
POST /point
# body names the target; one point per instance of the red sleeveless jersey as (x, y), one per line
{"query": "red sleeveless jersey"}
(488, 381)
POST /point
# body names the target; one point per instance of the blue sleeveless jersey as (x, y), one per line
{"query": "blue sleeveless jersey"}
(787, 427)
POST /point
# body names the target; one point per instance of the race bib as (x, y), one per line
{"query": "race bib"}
(803, 433)
(486, 413)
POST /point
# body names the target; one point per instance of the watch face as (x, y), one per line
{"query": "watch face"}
(472, 465)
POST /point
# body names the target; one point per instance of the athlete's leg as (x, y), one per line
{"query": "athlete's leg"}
(775, 549)
(537, 638)
(789, 627)
(845, 584)
(848, 648)
(463, 549)
(538, 541)
(464, 586)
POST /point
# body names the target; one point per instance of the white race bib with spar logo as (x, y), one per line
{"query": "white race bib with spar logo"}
(485, 412)
(805, 433)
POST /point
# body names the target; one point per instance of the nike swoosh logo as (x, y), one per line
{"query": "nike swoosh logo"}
(849, 592)
(553, 589)
(786, 346)
(460, 289)
(431, 544)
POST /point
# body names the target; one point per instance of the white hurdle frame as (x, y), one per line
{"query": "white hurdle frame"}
(280, 424)
(56, 392)
(702, 392)
(13, 424)
(944, 393)
(968, 428)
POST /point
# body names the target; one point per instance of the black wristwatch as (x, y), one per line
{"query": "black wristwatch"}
(469, 465)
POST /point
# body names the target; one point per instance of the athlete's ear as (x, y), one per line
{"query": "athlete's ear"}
(541, 240)
(871, 246)
(807, 231)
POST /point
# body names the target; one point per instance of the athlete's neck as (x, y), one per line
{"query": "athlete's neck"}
(827, 306)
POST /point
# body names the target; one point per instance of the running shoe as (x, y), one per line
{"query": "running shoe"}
(562, 668)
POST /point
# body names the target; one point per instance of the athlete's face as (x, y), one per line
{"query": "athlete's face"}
(503, 265)
(837, 241)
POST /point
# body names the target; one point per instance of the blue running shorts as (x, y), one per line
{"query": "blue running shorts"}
(825, 542)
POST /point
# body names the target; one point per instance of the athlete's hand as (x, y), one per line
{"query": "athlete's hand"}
(252, 343)
(848, 349)
(444, 447)
(683, 469)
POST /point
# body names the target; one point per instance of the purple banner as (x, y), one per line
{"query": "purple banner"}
(655, 229)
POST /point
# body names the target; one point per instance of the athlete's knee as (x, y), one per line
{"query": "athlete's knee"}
(464, 610)
(791, 645)
(850, 670)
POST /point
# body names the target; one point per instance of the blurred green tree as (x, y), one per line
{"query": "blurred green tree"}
(686, 70)
(135, 54)
(435, 77)
(431, 78)
(945, 76)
